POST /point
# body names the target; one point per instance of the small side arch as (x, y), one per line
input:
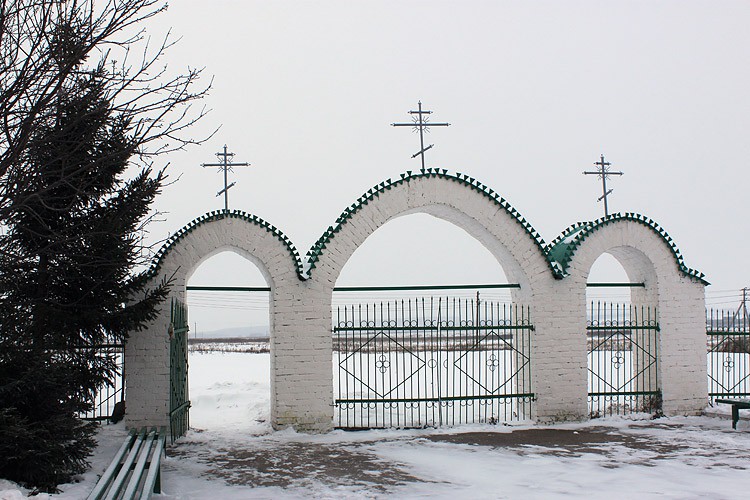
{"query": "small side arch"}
(563, 249)
(217, 231)
(147, 351)
(649, 256)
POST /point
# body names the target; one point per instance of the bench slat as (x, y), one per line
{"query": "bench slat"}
(114, 468)
(152, 484)
(742, 403)
(137, 467)
(119, 481)
(737, 405)
(140, 467)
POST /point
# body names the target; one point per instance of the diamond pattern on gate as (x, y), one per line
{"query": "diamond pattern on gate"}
(498, 353)
(733, 378)
(378, 376)
(616, 379)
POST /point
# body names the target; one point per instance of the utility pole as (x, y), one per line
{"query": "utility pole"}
(603, 172)
(743, 307)
(420, 123)
(225, 166)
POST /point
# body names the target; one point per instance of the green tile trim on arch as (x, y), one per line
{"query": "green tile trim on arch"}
(557, 253)
(562, 248)
(215, 215)
(313, 255)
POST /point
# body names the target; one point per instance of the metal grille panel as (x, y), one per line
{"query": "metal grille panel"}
(112, 392)
(728, 342)
(622, 359)
(430, 362)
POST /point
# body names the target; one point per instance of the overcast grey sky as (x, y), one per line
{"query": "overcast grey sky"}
(535, 92)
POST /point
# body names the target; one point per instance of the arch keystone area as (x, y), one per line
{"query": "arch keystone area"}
(433, 191)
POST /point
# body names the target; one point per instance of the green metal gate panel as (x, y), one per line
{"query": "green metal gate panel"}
(623, 359)
(728, 344)
(179, 405)
(431, 362)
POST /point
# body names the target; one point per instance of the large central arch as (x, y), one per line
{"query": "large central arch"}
(518, 248)
(454, 198)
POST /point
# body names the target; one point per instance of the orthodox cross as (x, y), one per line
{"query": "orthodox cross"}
(225, 165)
(420, 123)
(603, 172)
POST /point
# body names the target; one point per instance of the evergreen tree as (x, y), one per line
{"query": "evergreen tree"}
(75, 245)
(75, 193)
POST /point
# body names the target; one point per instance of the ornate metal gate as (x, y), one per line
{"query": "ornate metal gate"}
(179, 405)
(429, 362)
(622, 359)
(728, 354)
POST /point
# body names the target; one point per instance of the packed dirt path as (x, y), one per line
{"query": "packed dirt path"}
(426, 462)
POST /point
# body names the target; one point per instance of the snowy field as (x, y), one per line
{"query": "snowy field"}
(231, 453)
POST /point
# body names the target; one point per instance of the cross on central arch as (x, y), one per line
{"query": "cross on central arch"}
(421, 124)
(603, 172)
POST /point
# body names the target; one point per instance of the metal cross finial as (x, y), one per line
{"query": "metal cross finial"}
(420, 123)
(225, 165)
(603, 174)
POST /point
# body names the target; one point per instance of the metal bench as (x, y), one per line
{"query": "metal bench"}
(737, 405)
(135, 468)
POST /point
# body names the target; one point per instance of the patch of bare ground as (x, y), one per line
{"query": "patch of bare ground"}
(355, 464)
(294, 464)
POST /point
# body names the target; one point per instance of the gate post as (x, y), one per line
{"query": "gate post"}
(147, 365)
(682, 338)
(559, 351)
(301, 358)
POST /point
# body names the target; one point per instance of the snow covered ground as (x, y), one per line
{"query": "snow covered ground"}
(231, 453)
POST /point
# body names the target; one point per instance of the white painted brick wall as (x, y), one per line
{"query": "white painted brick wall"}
(301, 350)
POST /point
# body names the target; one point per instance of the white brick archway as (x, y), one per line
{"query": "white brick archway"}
(552, 281)
(649, 256)
(147, 352)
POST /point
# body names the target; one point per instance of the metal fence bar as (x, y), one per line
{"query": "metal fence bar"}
(417, 288)
(616, 285)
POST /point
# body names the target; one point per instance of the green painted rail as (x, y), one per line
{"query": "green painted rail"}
(435, 400)
(495, 286)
